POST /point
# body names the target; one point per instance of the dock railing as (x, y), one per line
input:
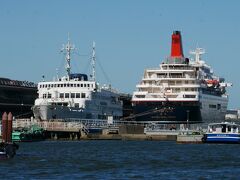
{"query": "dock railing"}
(85, 124)
(68, 124)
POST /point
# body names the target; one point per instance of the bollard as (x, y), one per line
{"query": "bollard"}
(9, 127)
(4, 127)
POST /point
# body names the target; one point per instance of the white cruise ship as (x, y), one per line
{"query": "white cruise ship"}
(180, 90)
(75, 96)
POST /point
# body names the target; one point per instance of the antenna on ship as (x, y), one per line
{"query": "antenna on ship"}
(198, 52)
(68, 48)
(93, 62)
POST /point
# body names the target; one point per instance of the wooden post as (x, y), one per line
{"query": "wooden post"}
(4, 127)
(9, 127)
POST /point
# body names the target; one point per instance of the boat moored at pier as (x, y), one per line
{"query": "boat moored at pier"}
(224, 132)
(181, 90)
(76, 96)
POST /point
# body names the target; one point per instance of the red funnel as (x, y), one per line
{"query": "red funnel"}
(176, 51)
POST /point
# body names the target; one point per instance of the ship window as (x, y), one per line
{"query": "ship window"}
(77, 95)
(64, 85)
(212, 106)
(84, 85)
(61, 95)
(218, 106)
(140, 96)
(72, 95)
(66, 95)
(88, 85)
(78, 85)
(61, 85)
(71, 85)
(81, 85)
(189, 96)
(76, 105)
(44, 96)
(83, 95)
(67, 85)
(51, 85)
(65, 104)
(178, 89)
(74, 85)
(49, 96)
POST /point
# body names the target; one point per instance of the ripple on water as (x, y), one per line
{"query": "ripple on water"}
(122, 160)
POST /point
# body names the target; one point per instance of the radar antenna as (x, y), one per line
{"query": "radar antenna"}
(198, 52)
(93, 62)
(68, 49)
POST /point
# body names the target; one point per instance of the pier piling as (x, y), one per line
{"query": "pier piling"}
(9, 127)
(4, 127)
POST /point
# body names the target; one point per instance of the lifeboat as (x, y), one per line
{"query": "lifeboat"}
(211, 82)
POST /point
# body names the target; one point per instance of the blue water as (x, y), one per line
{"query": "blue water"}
(122, 160)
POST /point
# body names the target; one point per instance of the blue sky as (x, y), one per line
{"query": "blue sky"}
(130, 35)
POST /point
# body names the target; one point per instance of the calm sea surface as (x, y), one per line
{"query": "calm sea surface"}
(122, 160)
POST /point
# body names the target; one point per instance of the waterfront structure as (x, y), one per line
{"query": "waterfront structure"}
(232, 114)
(181, 90)
(76, 96)
(17, 97)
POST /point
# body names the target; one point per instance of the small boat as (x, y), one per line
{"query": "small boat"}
(225, 132)
(8, 150)
(33, 133)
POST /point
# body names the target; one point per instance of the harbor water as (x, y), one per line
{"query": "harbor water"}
(122, 160)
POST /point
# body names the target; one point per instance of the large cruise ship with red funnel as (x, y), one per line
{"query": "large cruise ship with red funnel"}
(181, 90)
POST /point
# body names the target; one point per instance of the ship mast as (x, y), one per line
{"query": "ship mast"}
(93, 62)
(198, 52)
(68, 49)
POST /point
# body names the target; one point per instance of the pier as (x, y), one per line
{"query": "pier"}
(89, 129)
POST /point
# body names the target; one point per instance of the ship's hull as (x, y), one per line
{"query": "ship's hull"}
(221, 138)
(208, 109)
(213, 108)
(167, 112)
(46, 112)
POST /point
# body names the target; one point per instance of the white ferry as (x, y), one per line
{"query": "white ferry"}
(180, 90)
(75, 96)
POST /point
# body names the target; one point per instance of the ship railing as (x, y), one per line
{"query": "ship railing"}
(183, 129)
(21, 123)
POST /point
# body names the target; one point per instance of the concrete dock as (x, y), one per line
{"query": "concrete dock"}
(81, 130)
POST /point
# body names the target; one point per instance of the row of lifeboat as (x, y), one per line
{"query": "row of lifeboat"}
(212, 82)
